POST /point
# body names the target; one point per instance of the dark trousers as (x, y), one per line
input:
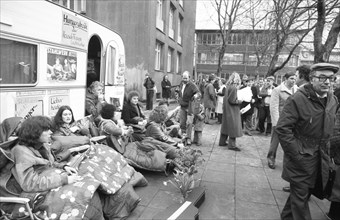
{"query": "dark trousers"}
(149, 99)
(264, 113)
(334, 210)
(246, 121)
(274, 143)
(297, 207)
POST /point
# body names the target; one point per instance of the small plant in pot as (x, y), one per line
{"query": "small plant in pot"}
(187, 165)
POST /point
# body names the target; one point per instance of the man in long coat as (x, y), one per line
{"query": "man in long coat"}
(304, 129)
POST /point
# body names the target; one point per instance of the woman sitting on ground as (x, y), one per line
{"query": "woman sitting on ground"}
(71, 192)
(65, 125)
(156, 129)
(133, 116)
(146, 154)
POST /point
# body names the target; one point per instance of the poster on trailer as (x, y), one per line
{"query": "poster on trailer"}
(61, 65)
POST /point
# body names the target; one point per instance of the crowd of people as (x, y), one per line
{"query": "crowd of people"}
(301, 114)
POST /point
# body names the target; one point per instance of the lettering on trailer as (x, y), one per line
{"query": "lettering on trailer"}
(74, 31)
(25, 104)
(56, 101)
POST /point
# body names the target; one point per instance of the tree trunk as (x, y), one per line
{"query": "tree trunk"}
(220, 60)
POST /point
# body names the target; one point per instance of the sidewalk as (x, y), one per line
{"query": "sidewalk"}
(239, 185)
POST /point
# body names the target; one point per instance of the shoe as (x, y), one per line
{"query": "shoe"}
(271, 163)
(248, 133)
(188, 142)
(198, 144)
(223, 145)
(234, 148)
(286, 189)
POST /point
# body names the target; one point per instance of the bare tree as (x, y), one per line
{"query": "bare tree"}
(322, 51)
(227, 11)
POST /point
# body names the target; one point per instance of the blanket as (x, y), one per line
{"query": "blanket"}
(104, 171)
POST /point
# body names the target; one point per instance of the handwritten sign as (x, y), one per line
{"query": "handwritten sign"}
(24, 105)
(75, 31)
(56, 101)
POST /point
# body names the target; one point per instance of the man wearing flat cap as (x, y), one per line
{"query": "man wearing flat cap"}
(304, 129)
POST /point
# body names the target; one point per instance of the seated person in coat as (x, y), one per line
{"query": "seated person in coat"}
(132, 115)
(94, 99)
(65, 125)
(155, 128)
(146, 154)
(72, 191)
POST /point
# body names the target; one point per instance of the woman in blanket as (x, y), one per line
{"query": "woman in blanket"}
(148, 154)
(100, 187)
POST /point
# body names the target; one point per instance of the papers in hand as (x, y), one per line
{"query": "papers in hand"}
(245, 109)
(245, 94)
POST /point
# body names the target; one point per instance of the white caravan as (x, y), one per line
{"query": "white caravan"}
(49, 55)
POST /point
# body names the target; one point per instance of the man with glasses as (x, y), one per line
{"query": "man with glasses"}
(304, 129)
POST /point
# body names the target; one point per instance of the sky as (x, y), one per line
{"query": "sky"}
(205, 15)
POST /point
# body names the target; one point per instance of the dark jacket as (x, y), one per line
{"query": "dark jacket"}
(304, 129)
(130, 114)
(189, 91)
(149, 83)
(156, 131)
(166, 89)
(92, 105)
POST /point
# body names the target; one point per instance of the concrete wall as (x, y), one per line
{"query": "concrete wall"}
(135, 22)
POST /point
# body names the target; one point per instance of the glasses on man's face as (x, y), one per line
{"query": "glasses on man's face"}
(323, 78)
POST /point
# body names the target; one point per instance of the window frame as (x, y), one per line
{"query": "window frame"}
(37, 49)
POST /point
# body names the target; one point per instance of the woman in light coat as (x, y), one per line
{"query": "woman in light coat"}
(231, 120)
(220, 95)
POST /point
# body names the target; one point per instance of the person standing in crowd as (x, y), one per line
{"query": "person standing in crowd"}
(304, 129)
(302, 75)
(149, 85)
(264, 112)
(219, 104)
(94, 100)
(166, 88)
(209, 98)
(187, 92)
(231, 120)
(246, 114)
(277, 101)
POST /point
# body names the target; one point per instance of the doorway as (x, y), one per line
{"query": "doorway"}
(93, 60)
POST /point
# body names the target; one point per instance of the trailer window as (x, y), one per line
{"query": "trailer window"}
(18, 62)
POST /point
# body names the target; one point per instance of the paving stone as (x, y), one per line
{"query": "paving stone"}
(224, 177)
(219, 202)
(256, 211)
(254, 162)
(149, 213)
(251, 176)
(280, 197)
(225, 157)
(254, 194)
(164, 199)
(218, 166)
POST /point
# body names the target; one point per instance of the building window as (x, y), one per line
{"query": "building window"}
(18, 62)
(169, 67)
(171, 21)
(75, 5)
(233, 58)
(159, 15)
(178, 63)
(179, 30)
(208, 58)
(158, 55)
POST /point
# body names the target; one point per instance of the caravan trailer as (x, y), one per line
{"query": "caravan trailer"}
(50, 55)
